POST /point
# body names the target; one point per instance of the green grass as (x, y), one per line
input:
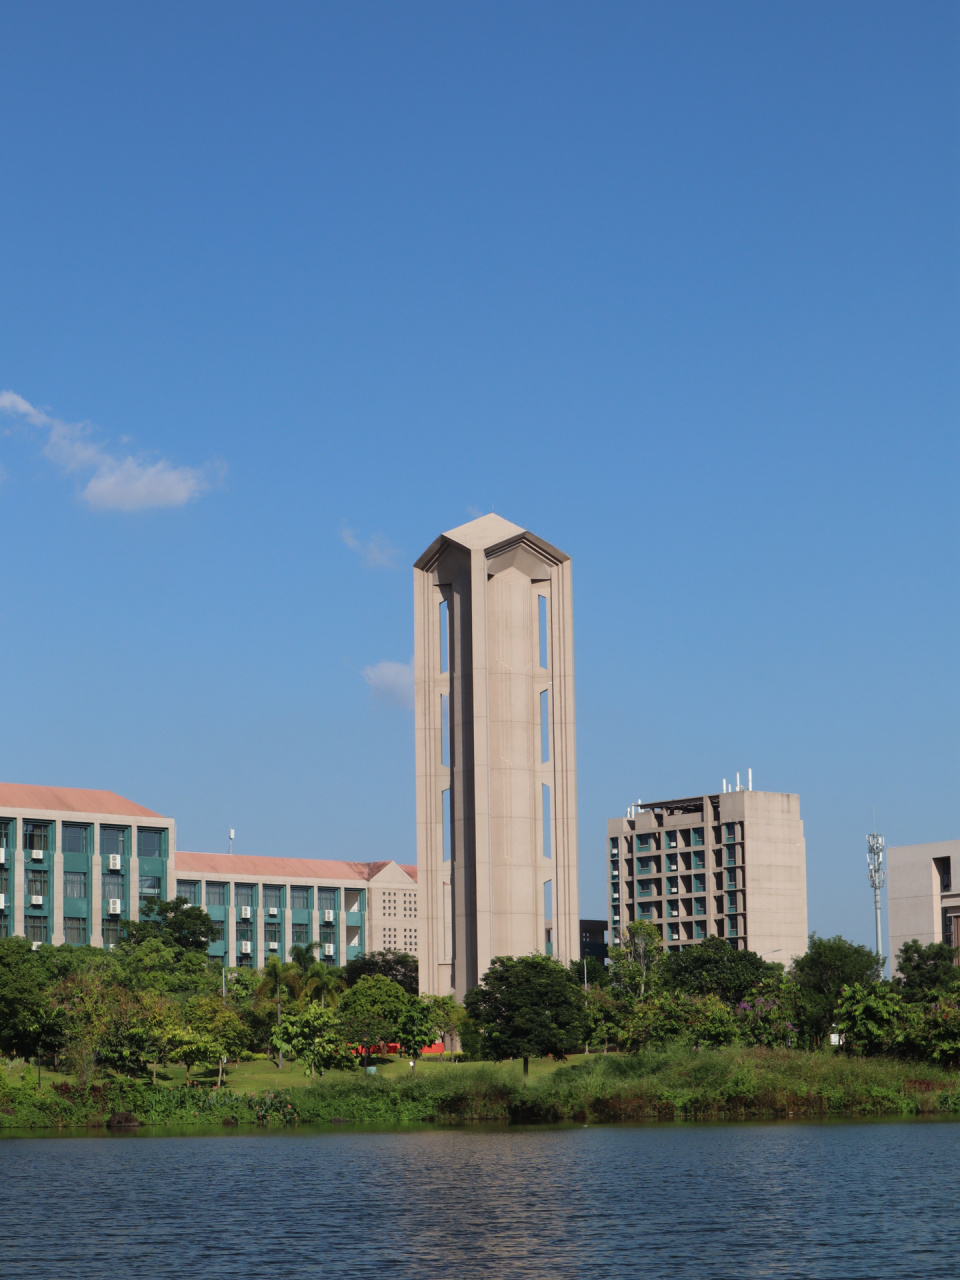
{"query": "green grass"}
(677, 1083)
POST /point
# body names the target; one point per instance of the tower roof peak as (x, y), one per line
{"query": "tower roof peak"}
(484, 531)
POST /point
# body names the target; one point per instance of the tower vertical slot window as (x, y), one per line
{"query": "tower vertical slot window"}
(548, 899)
(444, 637)
(542, 604)
(445, 729)
(447, 830)
(545, 726)
(547, 838)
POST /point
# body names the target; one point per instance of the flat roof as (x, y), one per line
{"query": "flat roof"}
(265, 866)
(21, 795)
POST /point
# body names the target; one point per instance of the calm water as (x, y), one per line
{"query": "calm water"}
(781, 1200)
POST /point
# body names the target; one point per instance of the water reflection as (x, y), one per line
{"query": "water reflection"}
(654, 1202)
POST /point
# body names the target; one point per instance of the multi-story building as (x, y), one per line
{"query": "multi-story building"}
(730, 865)
(74, 863)
(495, 750)
(923, 894)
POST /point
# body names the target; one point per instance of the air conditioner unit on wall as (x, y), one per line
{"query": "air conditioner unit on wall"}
(273, 946)
(3, 902)
(328, 948)
(244, 913)
(328, 917)
(245, 948)
(36, 855)
(36, 899)
(116, 862)
(3, 857)
(272, 910)
(115, 906)
(36, 946)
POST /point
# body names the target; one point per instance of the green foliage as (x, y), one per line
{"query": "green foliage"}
(768, 1015)
(314, 1036)
(395, 965)
(634, 965)
(829, 965)
(598, 975)
(29, 1021)
(869, 1018)
(932, 1032)
(713, 967)
(371, 1011)
(418, 1026)
(605, 1017)
(676, 1015)
(926, 972)
(529, 1006)
(175, 923)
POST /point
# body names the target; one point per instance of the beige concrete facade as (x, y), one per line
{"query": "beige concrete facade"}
(729, 865)
(495, 751)
(923, 894)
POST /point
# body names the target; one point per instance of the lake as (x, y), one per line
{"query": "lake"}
(853, 1200)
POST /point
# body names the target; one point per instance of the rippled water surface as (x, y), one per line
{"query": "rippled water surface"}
(782, 1200)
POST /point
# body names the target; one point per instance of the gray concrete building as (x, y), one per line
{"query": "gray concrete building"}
(923, 894)
(495, 752)
(729, 865)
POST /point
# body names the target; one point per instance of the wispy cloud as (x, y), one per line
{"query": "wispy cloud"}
(392, 681)
(376, 551)
(118, 483)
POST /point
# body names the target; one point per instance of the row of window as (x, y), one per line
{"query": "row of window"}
(681, 838)
(77, 837)
(273, 895)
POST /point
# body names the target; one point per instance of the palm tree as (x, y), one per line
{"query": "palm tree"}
(277, 978)
(326, 982)
(301, 954)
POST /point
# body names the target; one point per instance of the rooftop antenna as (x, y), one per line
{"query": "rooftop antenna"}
(738, 781)
(230, 849)
(877, 875)
(724, 786)
(749, 779)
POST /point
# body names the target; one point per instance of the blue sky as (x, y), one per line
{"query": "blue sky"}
(287, 290)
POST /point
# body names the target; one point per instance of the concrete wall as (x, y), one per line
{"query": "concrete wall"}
(916, 901)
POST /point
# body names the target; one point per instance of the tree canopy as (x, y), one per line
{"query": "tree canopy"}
(175, 923)
(829, 965)
(528, 1007)
(395, 965)
(714, 968)
(372, 1010)
(926, 972)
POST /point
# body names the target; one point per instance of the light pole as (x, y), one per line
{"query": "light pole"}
(877, 875)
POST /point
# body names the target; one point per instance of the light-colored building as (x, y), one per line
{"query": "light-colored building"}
(923, 894)
(495, 752)
(730, 865)
(74, 863)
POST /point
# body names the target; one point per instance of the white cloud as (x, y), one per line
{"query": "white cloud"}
(376, 551)
(392, 681)
(118, 483)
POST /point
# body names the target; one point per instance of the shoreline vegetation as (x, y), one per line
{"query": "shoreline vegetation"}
(678, 1082)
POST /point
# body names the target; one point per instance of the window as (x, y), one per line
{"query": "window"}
(8, 833)
(389, 902)
(150, 842)
(643, 842)
(149, 886)
(112, 840)
(36, 835)
(731, 879)
(732, 927)
(327, 899)
(699, 860)
(731, 855)
(74, 884)
(699, 906)
(216, 895)
(75, 930)
(673, 884)
(544, 726)
(731, 902)
(244, 895)
(447, 830)
(548, 899)
(644, 865)
(37, 882)
(444, 637)
(671, 840)
(36, 928)
(673, 932)
(544, 635)
(697, 835)
(75, 838)
(699, 929)
(410, 905)
(699, 884)
(111, 933)
(271, 933)
(272, 895)
(644, 888)
(301, 935)
(444, 730)
(729, 831)
(645, 910)
(244, 931)
(614, 847)
(300, 898)
(671, 862)
(547, 835)
(189, 889)
(111, 885)
(410, 941)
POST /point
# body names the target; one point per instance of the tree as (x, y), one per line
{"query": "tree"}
(768, 1014)
(314, 1036)
(30, 1023)
(869, 1018)
(302, 955)
(418, 1027)
(598, 975)
(676, 1015)
(191, 1047)
(926, 972)
(714, 968)
(176, 923)
(396, 965)
(371, 1012)
(221, 1025)
(325, 984)
(829, 965)
(633, 964)
(448, 1017)
(528, 1006)
(277, 979)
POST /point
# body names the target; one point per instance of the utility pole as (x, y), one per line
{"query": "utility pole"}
(877, 875)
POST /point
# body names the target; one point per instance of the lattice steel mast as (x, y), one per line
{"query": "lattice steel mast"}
(877, 875)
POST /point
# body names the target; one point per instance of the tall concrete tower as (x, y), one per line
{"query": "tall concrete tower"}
(496, 752)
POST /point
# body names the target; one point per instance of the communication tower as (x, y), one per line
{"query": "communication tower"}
(877, 875)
